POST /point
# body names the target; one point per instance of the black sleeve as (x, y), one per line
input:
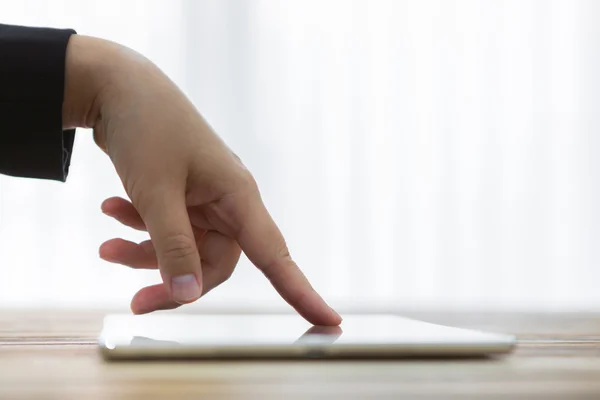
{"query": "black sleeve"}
(32, 79)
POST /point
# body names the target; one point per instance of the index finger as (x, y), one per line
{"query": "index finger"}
(262, 242)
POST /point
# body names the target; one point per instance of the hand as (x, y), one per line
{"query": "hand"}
(199, 203)
(219, 255)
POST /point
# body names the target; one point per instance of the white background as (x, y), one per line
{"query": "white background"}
(416, 154)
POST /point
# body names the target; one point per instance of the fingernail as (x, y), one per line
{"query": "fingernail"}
(185, 288)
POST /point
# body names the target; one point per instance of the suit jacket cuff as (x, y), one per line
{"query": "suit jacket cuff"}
(32, 79)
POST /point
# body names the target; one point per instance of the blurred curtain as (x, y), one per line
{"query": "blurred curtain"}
(414, 153)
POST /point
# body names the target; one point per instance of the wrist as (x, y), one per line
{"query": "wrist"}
(95, 72)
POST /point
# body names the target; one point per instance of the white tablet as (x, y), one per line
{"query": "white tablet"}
(176, 336)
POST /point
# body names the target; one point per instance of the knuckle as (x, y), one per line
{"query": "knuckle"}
(245, 181)
(222, 214)
(225, 213)
(284, 253)
(178, 247)
(282, 256)
(250, 182)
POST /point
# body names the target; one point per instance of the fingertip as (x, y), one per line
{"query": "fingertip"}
(104, 250)
(337, 318)
(108, 249)
(334, 317)
(140, 303)
(150, 299)
(136, 309)
(315, 310)
(111, 205)
(107, 206)
(327, 317)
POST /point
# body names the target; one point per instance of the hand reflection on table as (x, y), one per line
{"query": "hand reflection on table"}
(320, 334)
(142, 340)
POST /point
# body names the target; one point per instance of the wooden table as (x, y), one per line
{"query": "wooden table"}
(52, 355)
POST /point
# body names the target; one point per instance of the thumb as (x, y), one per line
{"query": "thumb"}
(165, 214)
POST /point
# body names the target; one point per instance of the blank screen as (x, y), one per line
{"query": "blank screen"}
(273, 330)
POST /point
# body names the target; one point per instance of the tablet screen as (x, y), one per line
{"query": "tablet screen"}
(282, 330)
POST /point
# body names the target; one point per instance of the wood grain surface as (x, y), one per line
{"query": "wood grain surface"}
(52, 355)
